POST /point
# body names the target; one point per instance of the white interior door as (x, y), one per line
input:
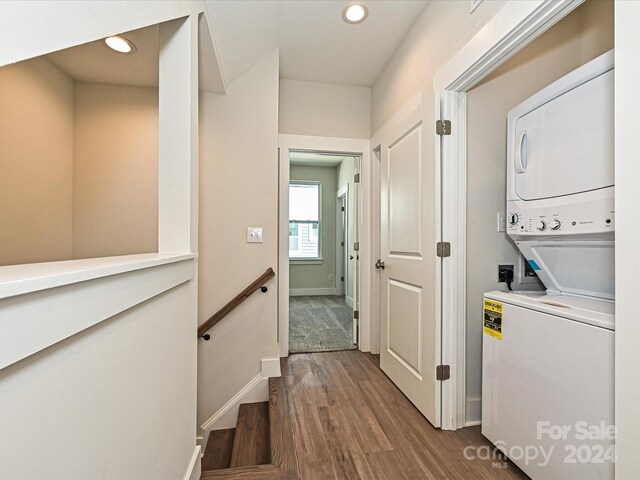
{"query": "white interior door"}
(353, 217)
(409, 336)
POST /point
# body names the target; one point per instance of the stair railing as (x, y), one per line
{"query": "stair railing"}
(259, 283)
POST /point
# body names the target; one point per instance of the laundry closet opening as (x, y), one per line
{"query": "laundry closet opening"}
(536, 78)
(323, 252)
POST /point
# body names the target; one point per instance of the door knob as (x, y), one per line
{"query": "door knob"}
(379, 265)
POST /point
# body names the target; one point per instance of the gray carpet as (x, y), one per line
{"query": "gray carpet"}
(320, 324)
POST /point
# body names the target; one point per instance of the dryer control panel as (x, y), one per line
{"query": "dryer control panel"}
(577, 219)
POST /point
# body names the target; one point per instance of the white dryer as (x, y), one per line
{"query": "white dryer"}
(548, 361)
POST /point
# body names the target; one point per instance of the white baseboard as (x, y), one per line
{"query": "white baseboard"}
(201, 443)
(257, 390)
(195, 466)
(349, 300)
(303, 292)
(270, 367)
(473, 412)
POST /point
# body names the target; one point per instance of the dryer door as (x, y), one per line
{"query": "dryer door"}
(566, 145)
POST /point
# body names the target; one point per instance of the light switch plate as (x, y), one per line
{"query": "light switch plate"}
(254, 234)
(502, 222)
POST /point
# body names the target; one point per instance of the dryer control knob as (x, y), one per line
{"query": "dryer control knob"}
(514, 219)
(542, 225)
(555, 225)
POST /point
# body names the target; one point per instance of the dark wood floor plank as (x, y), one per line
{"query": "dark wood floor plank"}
(283, 452)
(338, 433)
(366, 430)
(217, 454)
(352, 422)
(314, 458)
(251, 444)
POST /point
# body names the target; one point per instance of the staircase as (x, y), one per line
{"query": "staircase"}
(260, 447)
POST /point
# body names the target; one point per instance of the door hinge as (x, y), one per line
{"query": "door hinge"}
(443, 249)
(342, 279)
(356, 314)
(342, 209)
(443, 127)
(342, 244)
(443, 372)
(356, 246)
(356, 178)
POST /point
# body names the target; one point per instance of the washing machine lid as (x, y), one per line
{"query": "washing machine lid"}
(599, 313)
(578, 267)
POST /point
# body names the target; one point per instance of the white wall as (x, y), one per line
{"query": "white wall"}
(324, 110)
(441, 30)
(627, 146)
(581, 36)
(315, 276)
(114, 401)
(238, 189)
(36, 161)
(115, 170)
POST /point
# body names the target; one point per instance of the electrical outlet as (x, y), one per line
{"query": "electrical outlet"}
(503, 273)
(330, 278)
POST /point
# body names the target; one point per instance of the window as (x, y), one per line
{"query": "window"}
(304, 220)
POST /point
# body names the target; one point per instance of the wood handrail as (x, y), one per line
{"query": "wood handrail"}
(241, 297)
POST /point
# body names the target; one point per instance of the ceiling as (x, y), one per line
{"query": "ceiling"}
(95, 62)
(316, 159)
(315, 43)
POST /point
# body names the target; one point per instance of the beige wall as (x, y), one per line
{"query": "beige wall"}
(324, 110)
(306, 276)
(238, 189)
(115, 177)
(440, 31)
(580, 37)
(36, 162)
(80, 166)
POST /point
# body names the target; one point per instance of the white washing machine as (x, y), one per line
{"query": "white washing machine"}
(548, 357)
(548, 365)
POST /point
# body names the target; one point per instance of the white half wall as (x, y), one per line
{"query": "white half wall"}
(238, 189)
(117, 399)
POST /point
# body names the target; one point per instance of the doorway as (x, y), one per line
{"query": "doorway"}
(320, 292)
(322, 252)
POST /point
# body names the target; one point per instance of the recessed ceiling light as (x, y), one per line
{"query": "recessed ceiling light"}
(355, 13)
(120, 44)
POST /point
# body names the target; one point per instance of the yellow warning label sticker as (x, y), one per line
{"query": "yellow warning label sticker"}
(492, 322)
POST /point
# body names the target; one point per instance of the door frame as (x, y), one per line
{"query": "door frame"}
(333, 145)
(515, 26)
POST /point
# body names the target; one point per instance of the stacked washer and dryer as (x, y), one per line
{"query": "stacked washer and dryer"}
(548, 357)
